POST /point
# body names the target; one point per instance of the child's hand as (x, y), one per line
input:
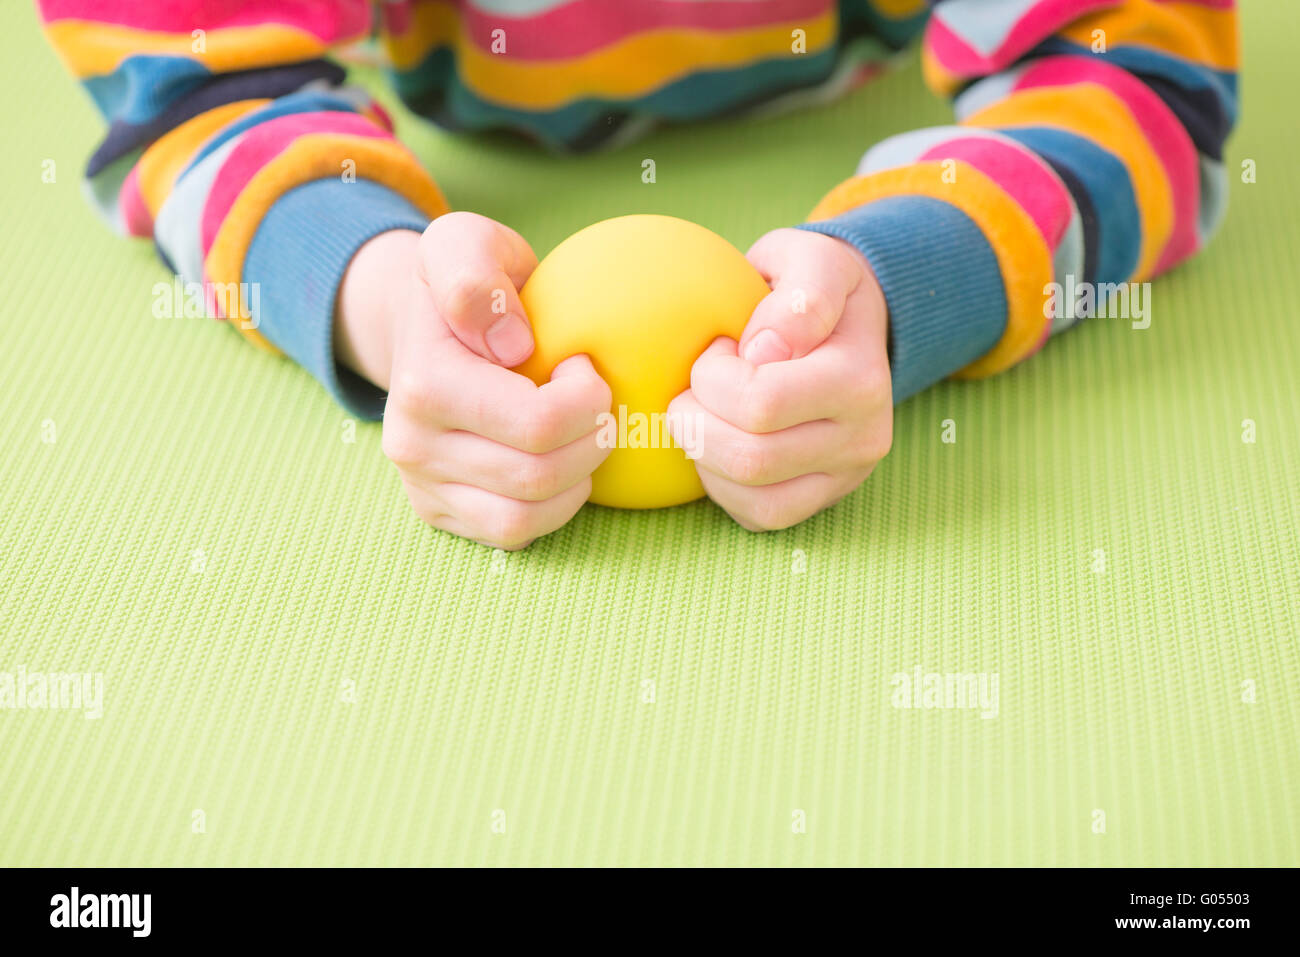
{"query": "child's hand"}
(482, 451)
(797, 414)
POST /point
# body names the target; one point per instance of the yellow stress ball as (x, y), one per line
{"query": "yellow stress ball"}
(642, 296)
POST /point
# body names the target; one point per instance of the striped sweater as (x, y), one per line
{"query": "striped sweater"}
(1087, 147)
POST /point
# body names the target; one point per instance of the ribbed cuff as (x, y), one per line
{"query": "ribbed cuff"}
(941, 280)
(297, 260)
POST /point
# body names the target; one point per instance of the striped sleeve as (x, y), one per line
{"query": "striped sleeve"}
(234, 144)
(1088, 150)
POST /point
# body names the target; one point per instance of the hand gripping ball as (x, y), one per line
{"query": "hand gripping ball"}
(642, 296)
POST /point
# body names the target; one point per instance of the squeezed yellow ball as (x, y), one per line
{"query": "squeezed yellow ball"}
(642, 296)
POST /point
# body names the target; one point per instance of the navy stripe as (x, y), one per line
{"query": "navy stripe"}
(434, 91)
(267, 82)
(1104, 180)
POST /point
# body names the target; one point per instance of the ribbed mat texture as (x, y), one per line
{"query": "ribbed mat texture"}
(296, 671)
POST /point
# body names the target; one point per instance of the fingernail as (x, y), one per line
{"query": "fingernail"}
(767, 346)
(509, 340)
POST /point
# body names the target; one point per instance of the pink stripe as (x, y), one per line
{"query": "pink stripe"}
(260, 146)
(1024, 178)
(956, 56)
(330, 22)
(380, 114)
(1162, 130)
(580, 26)
(136, 218)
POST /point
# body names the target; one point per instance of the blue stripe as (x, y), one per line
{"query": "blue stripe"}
(218, 90)
(298, 257)
(433, 89)
(941, 280)
(858, 17)
(1110, 195)
(143, 86)
(1148, 62)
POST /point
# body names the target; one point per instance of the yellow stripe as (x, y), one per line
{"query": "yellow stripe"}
(97, 49)
(1097, 114)
(1188, 30)
(632, 67)
(310, 157)
(163, 161)
(432, 25)
(898, 9)
(1022, 255)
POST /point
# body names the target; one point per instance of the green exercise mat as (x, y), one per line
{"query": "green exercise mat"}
(296, 671)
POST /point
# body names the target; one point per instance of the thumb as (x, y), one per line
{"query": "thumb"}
(811, 279)
(473, 267)
(792, 320)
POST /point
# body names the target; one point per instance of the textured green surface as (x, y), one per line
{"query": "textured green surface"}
(516, 682)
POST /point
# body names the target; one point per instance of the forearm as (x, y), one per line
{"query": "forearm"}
(1089, 152)
(374, 290)
(235, 146)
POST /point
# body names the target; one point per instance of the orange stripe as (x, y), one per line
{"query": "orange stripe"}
(97, 49)
(1095, 113)
(1022, 255)
(310, 157)
(631, 67)
(163, 161)
(1192, 31)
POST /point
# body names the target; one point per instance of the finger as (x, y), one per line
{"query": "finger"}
(462, 391)
(749, 459)
(497, 521)
(433, 511)
(469, 459)
(811, 277)
(721, 346)
(772, 507)
(473, 267)
(828, 383)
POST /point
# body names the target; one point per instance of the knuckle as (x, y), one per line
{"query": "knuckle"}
(866, 394)
(512, 526)
(769, 513)
(417, 392)
(862, 455)
(428, 513)
(816, 300)
(518, 546)
(539, 430)
(452, 222)
(602, 396)
(758, 250)
(873, 446)
(821, 310)
(429, 238)
(758, 407)
(874, 387)
(884, 438)
(536, 480)
(746, 463)
(402, 444)
(460, 294)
